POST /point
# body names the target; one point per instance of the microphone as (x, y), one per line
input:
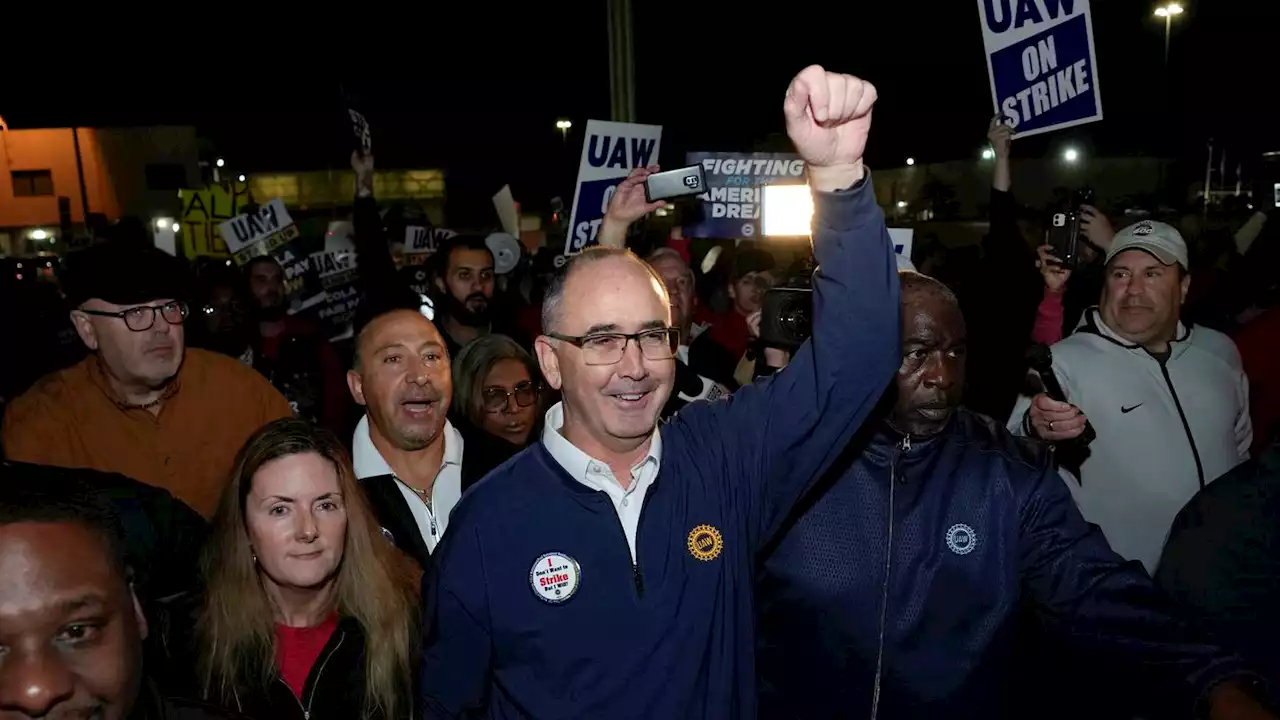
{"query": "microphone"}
(1040, 358)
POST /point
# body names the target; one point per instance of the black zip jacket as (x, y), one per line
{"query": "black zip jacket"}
(334, 689)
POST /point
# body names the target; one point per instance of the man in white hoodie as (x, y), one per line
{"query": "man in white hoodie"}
(1169, 403)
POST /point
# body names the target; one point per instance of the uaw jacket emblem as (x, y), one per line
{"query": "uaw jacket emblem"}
(705, 543)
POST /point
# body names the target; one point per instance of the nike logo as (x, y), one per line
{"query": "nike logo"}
(1127, 410)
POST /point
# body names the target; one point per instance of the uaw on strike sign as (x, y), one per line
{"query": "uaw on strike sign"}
(609, 153)
(1044, 74)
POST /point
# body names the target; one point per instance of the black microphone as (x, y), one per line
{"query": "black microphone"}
(1041, 360)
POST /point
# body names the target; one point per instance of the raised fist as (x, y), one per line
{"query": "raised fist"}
(828, 117)
(1001, 136)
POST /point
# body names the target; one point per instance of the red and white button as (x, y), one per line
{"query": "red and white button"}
(554, 577)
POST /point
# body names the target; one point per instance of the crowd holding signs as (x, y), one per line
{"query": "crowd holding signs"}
(204, 211)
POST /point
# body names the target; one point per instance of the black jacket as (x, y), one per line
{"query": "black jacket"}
(334, 688)
(151, 705)
(1222, 560)
(481, 452)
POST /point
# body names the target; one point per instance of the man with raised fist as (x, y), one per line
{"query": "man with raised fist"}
(607, 571)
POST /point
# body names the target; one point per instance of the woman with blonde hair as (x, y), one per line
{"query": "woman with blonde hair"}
(309, 612)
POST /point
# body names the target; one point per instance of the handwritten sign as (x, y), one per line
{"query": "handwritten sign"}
(204, 211)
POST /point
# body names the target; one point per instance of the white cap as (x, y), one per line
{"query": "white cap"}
(1159, 239)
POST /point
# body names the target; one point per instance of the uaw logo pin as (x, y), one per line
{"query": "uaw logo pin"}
(554, 577)
(705, 543)
(961, 539)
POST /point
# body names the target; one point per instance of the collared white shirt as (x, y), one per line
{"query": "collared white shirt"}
(433, 518)
(596, 474)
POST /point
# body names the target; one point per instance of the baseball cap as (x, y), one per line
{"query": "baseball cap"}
(1154, 237)
(124, 274)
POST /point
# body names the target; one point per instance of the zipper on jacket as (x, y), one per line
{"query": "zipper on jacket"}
(1186, 426)
(306, 710)
(903, 448)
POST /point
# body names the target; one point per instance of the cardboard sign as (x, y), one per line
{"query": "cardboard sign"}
(610, 152)
(731, 205)
(203, 212)
(1040, 58)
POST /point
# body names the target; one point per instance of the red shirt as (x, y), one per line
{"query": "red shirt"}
(728, 329)
(1259, 345)
(297, 650)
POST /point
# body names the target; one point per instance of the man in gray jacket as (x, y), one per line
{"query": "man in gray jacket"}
(1169, 403)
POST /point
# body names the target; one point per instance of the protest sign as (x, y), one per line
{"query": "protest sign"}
(610, 152)
(269, 230)
(421, 242)
(336, 268)
(902, 239)
(731, 205)
(203, 211)
(1040, 58)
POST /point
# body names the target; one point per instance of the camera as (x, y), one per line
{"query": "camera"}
(786, 312)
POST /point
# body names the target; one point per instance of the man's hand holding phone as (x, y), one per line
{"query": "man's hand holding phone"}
(1055, 275)
(627, 206)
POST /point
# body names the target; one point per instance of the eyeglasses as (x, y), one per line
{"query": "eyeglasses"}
(141, 319)
(608, 348)
(495, 399)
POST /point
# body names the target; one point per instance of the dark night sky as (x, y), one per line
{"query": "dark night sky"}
(480, 97)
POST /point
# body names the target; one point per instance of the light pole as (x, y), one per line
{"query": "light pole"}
(1168, 12)
(563, 126)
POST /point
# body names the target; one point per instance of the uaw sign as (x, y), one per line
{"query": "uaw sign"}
(609, 153)
(269, 230)
(735, 181)
(1044, 74)
(259, 233)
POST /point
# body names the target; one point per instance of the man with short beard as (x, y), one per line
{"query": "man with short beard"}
(464, 277)
(142, 404)
(293, 352)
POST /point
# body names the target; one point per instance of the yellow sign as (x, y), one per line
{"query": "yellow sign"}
(202, 212)
(705, 543)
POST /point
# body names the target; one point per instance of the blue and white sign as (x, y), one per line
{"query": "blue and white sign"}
(731, 205)
(1044, 74)
(610, 152)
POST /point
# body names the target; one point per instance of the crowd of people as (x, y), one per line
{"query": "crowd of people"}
(599, 494)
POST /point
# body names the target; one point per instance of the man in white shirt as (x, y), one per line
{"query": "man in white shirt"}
(1169, 402)
(407, 455)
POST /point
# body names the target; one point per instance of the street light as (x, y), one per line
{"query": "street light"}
(1168, 12)
(240, 178)
(219, 162)
(988, 153)
(902, 204)
(1071, 155)
(911, 161)
(563, 126)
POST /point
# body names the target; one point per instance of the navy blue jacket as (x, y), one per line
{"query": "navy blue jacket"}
(971, 524)
(672, 636)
